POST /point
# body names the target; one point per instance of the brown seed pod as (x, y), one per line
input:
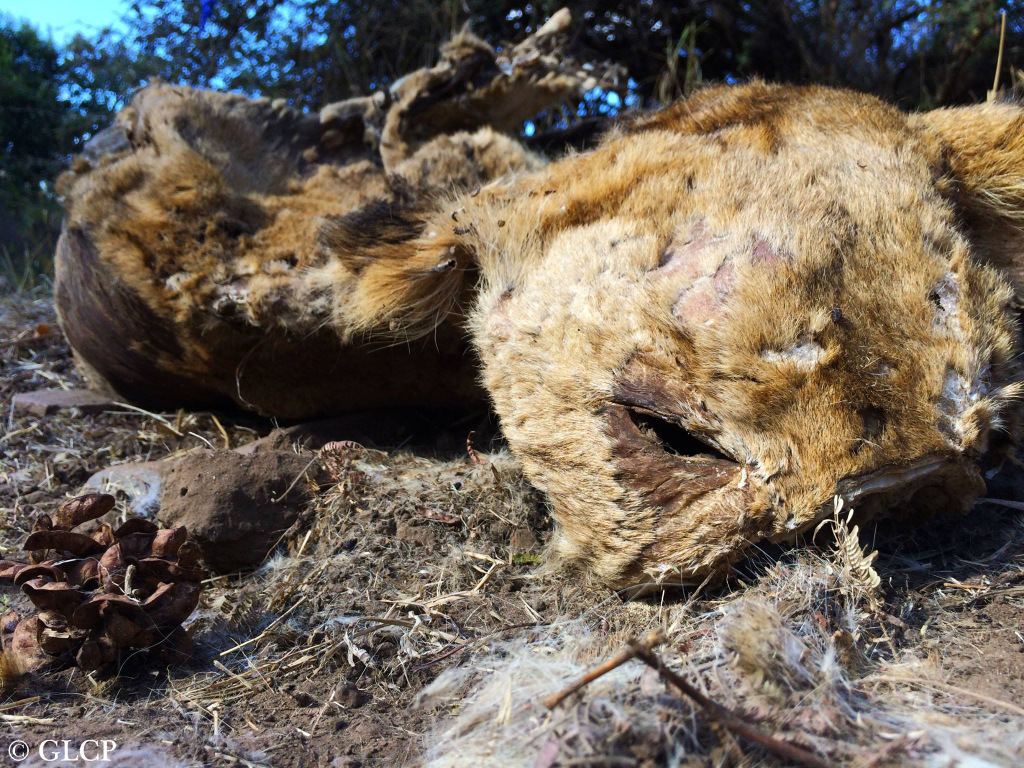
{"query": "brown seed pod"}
(171, 604)
(109, 593)
(73, 512)
(84, 573)
(168, 541)
(9, 570)
(25, 647)
(56, 596)
(77, 544)
(46, 571)
(104, 535)
(88, 614)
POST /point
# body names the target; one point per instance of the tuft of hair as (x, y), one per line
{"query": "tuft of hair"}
(11, 673)
(983, 144)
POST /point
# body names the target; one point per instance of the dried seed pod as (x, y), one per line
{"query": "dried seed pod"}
(189, 554)
(89, 656)
(56, 596)
(54, 620)
(46, 571)
(171, 604)
(168, 541)
(84, 573)
(9, 570)
(110, 592)
(58, 642)
(104, 535)
(88, 615)
(77, 544)
(25, 647)
(73, 512)
(125, 632)
(154, 570)
(42, 523)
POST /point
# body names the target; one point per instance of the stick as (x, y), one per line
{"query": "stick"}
(223, 432)
(946, 688)
(652, 639)
(472, 453)
(999, 59)
(726, 716)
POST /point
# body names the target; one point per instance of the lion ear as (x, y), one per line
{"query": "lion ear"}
(982, 150)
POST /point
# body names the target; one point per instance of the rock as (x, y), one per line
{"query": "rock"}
(235, 506)
(140, 481)
(44, 402)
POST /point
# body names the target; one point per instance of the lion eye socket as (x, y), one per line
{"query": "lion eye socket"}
(672, 437)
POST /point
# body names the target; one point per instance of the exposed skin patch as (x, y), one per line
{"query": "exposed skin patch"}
(692, 255)
(764, 255)
(946, 297)
(806, 353)
(700, 303)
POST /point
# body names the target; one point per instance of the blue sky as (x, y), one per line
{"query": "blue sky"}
(61, 19)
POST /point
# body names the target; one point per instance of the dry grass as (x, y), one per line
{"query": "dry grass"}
(407, 619)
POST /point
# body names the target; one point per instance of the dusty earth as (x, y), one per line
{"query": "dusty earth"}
(405, 617)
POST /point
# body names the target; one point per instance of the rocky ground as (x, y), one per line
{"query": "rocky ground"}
(403, 615)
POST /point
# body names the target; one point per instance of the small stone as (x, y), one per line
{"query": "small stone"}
(235, 506)
(44, 402)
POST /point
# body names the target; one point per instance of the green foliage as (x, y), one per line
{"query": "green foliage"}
(311, 52)
(31, 134)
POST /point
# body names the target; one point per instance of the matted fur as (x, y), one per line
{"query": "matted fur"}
(796, 277)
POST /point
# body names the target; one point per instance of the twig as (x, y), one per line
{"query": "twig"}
(223, 432)
(642, 649)
(472, 453)
(651, 640)
(152, 415)
(264, 633)
(999, 60)
(19, 703)
(1002, 503)
(726, 716)
(946, 688)
(958, 585)
(301, 474)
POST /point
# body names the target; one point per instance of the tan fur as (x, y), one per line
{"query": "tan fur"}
(223, 234)
(780, 271)
(795, 276)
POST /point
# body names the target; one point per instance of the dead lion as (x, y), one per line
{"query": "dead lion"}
(696, 335)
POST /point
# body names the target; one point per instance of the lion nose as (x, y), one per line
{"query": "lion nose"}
(947, 482)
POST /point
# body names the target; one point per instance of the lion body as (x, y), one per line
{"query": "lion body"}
(695, 336)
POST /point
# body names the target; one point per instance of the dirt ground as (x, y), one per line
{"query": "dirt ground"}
(407, 619)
